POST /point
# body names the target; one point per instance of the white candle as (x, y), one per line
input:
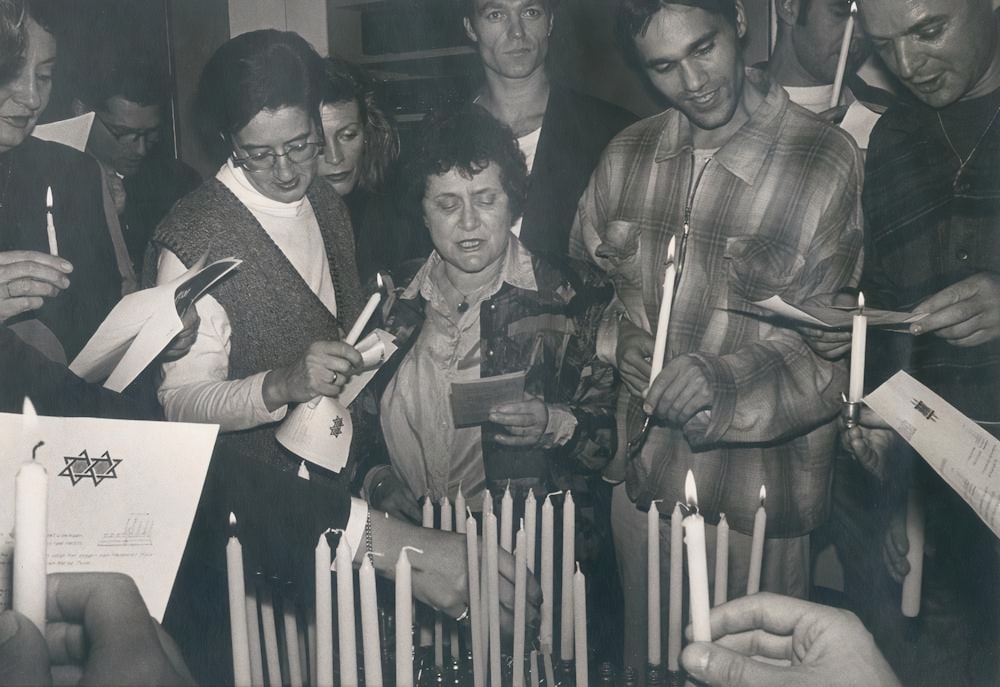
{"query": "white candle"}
(533, 668)
(757, 545)
(446, 526)
(427, 520)
(324, 613)
(345, 614)
(253, 635)
(859, 334)
(910, 604)
(493, 593)
(674, 626)
(369, 624)
(507, 520)
(568, 560)
(366, 314)
(460, 509)
(50, 225)
(530, 530)
(237, 607)
(845, 47)
(31, 498)
(292, 655)
(663, 324)
(270, 636)
(520, 604)
(475, 601)
(404, 619)
(721, 560)
(548, 558)
(694, 537)
(653, 584)
(580, 627)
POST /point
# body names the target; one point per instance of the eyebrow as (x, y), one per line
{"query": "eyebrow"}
(265, 146)
(916, 28)
(694, 45)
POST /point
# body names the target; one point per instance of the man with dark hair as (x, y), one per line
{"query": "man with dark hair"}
(759, 198)
(932, 206)
(130, 98)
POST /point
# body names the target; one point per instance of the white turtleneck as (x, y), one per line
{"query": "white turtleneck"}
(195, 388)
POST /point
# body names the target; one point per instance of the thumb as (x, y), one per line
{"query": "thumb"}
(24, 655)
(721, 667)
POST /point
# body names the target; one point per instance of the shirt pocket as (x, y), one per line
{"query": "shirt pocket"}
(759, 267)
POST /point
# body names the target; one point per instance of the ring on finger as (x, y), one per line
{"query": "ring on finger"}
(335, 378)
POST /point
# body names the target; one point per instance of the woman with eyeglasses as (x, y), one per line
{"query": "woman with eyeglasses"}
(269, 334)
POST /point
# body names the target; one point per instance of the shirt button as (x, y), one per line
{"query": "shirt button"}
(962, 254)
(493, 306)
(489, 352)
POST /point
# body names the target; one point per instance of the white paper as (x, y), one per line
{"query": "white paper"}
(122, 496)
(142, 324)
(832, 317)
(965, 455)
(73, 132)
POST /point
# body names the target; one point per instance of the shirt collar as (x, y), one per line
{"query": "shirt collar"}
(517, 270)
(744, 153)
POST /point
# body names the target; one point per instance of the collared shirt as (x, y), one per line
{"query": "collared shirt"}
(775, 211)
(432, 455)
(931, 224)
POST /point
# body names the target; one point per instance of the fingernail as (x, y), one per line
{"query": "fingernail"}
(696, 658)
(648, 409)
(65, 266)
(916, 329)
(8, 626)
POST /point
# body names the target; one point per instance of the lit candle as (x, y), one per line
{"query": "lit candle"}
(721, 560)
(694, 537)
(660, 342)
(404, 619)
(237, 607)
(324, 613)
(31, 498)
(475, 601)
(493, 593)
(757, 545)
(529, 529)
(50, 225)
(653, 583)
(548, 558)
(369, 623)
(568, 559)
(915, 555)
(674, 626)
(366, 314)
(507, 520)
(520, 603)
(580, 627)
(845, 47)
(859, 334)
(345, 614)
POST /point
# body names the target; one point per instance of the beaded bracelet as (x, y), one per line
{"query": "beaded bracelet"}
(368, 537)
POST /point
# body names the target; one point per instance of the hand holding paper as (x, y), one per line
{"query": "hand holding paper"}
(966, 313)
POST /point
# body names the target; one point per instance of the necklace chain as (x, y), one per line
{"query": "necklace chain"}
(463, 306)
(962, 162)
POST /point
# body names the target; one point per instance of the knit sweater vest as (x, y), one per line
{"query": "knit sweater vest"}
(273, 314)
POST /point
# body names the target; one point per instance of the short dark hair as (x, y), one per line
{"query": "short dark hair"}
(633, 18)
(346, 82)
(118, 73)
(13, 38)
(468, 7)
(467, 139)
(255, 71)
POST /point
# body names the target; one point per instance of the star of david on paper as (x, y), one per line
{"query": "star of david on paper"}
(77, 467)
(104, 468)
(337, 428)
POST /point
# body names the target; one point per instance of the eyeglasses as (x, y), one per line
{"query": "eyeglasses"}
(130, 137)
(298, 153)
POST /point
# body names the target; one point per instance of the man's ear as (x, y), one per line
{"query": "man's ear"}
(78, 108)
(741, 19)
(788, 11)
(469, 31)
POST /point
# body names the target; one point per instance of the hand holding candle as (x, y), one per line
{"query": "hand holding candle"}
(359, 324)
(694, 537)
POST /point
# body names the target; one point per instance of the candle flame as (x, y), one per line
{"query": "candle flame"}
(232, 524)
(861, 301)
(30, 416)
(690, 490)
(48, 199)
(378, 280)
(763, 494)
(854, 8)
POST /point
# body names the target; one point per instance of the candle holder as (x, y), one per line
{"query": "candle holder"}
(676, 678)
(850, 413)
(655, 675)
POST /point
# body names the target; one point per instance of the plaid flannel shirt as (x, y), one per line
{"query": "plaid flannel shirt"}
(776, 211)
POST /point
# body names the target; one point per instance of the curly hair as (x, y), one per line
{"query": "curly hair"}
(346, 82)
(468, 140)
(255, 71)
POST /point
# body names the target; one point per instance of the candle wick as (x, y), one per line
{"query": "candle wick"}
(34, 451)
